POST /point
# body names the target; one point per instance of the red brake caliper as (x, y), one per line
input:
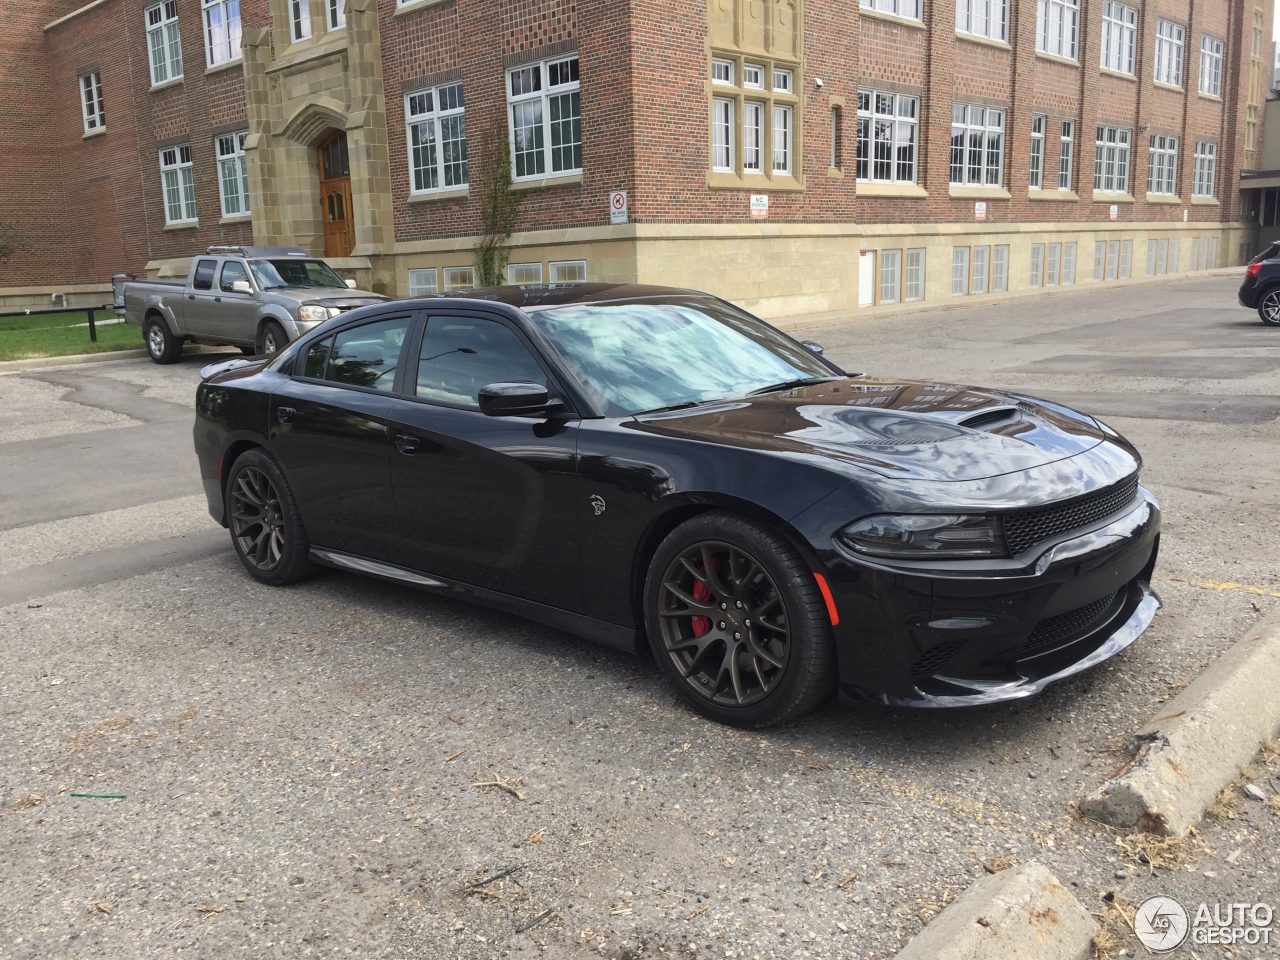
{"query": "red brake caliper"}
(701, 625)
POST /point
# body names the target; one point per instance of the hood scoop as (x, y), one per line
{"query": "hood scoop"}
(989, 418)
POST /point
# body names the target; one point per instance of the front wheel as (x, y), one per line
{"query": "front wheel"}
(737, 623)
(163, 346)
(1269, 307)
(266, 527)
(273, 338)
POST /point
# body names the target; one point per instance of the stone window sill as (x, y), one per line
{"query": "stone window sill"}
(1167, 86)
(174, 82)
(454, 194)
(1205, 202)
(1054, 58)
(235, 218)
(1168, 198)
(553, 181)
(1118, 74)
(1210, 96)
(892, 18)
(835, 173)
(755, 182)
(415, 6)
(185, 225)
(94, 133)
(985, 41)
(237, 62)
(961, 191)
(1052, 196)
(1104, 196)
(868, 189)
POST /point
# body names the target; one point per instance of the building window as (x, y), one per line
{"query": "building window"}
(1058, 27)
(179, 180)
(752, 137)
(91, 109)
(221, 31)
(545, 119)
(1173, 255)
(1119, 36)
(1068, 263)
(1168, 53)
(1000, 268)
(836, 135)
(163, 42)
(722, 72)
(981, 269)
(437, 135)
(1037, 152)
(1206, 159)
(569, 271)
(982, 18)
(781, 81)
(299, 19)
(722, 135)
(1111, 160)
(1037, 265)
(1113, 258)
(1162, 169)
(459, 278)
(1211, 66)
(890, 272)
(914, 286)
(1126, 259)
(768, 111)
(233, 174)
(977, 145)
(337, 14)
(753, 76)
(1065, 154)
(1211, 259)
(959, 271)
(1100, 258)
(887, 129)
(782, 124)
(1053, 263)
(899, 8)
(422, 282)
(524, 273)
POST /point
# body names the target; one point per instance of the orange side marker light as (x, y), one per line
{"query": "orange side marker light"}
(831, 601)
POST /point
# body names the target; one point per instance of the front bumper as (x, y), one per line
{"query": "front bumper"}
(947, 637)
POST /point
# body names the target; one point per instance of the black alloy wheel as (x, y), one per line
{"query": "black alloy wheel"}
(162, 345)
(737, 623)
(273, 338)
(1269, 306)
(266, 527)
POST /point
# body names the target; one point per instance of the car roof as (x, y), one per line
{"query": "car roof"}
(537, 296)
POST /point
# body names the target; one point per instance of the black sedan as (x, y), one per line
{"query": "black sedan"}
(1260, 289)
(654, 468)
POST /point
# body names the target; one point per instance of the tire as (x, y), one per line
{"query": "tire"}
(784, 664)
(275, 552)
(162, 345)
(1269, 307)
(272, 338)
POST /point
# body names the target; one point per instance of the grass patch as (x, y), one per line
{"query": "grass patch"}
(60, 334)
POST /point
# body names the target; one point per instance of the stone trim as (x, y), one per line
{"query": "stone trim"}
(229, 128)
(546, 52)
(414, 84)
(891, 86)
(173, 141)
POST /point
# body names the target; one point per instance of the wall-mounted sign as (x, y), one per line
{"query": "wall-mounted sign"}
(980, 210)
(759, 206)
(1115, 211)
(618, 206)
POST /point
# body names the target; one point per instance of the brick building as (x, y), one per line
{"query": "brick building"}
(791, 156)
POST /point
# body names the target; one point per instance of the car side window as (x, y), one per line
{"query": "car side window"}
(203, 279)
(367, 355)
(460, 355)
(232, 271)
(317, 356)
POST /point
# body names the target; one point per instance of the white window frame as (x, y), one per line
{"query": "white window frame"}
(233, 172)
(1204, 171)
(164, 42)
(981, 270)
(1036, 276)
(299, 20)
(1126, 259)
(1162, 166)
(1113, 258)
(558, 269)
(890, 276)
(969, 121)
(783, 136)
(722, 71)
(423, 281)
(752, 76)
(752, 137)
(92, 110)
(1211, 49)
(1000, 268)
(959, 271)
(904, 134)
(783, 80)
(543, 96)
(1058, 28)
(459, 278)
(1111, 159)
(1035, 169)
(532, 274)
(178, 184)
(722, 138)
(426, 114)
(1068, 263)
(1052, 264)
(1119, 37)
(907, 9)
(221, 19)
(913, 275)
(1100, 259)
(1170, 40)
(335, 14)
(983, 18)
(1066, 154)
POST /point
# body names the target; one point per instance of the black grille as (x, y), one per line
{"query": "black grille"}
(1054, 629)
(934, 659)
(1029, 527)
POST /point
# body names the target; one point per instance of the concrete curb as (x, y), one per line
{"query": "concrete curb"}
(1196, 746)
(39, 363)
(1017, 913)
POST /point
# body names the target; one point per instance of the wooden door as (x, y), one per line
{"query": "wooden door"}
(335, 196)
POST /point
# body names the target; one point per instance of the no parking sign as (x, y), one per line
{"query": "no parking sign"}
(618, 206)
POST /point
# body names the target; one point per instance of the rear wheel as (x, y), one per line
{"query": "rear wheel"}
(737, 623)
(266, 527)
(273, 338)
(163, 346)
(1269, 307)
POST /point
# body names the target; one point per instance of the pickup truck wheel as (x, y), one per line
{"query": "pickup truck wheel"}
(162, 345)
(273, 338)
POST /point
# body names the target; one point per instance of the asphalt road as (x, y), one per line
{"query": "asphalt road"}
(301, 766)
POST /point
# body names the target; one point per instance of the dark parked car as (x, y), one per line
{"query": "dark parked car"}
(654, 467)
(1261, 287)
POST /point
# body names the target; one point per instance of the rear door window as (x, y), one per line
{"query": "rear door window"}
(203, 279)
(367, 355)
(460, 355)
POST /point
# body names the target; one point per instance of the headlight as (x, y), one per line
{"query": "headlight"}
(313, 313)
(923, 537)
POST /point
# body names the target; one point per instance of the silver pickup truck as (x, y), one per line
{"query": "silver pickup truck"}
(255, 298)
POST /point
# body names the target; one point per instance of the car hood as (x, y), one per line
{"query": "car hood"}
(342, 297)
(897, 428)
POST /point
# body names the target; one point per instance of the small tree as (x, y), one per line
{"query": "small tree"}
(11, 241)
(499, 205)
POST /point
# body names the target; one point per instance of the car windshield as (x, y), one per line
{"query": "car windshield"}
(273, 274)
(671, 352)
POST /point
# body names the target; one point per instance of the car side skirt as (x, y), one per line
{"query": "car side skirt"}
(610, 634)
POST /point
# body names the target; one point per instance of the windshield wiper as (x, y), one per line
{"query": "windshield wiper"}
(682, 405)
(791, 385)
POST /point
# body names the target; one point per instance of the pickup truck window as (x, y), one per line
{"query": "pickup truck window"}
(232, 271)
(273, 274)
(203, 279)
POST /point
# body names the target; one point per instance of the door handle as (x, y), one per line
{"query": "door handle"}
(407, 445)
(191, 296)
(217, 299)
(286, 414)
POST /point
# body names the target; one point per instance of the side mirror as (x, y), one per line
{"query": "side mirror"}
(512, 399)
(351, 284)
(810, 345)
(241, 286)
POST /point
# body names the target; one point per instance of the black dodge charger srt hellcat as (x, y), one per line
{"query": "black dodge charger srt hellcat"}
(642, 465)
